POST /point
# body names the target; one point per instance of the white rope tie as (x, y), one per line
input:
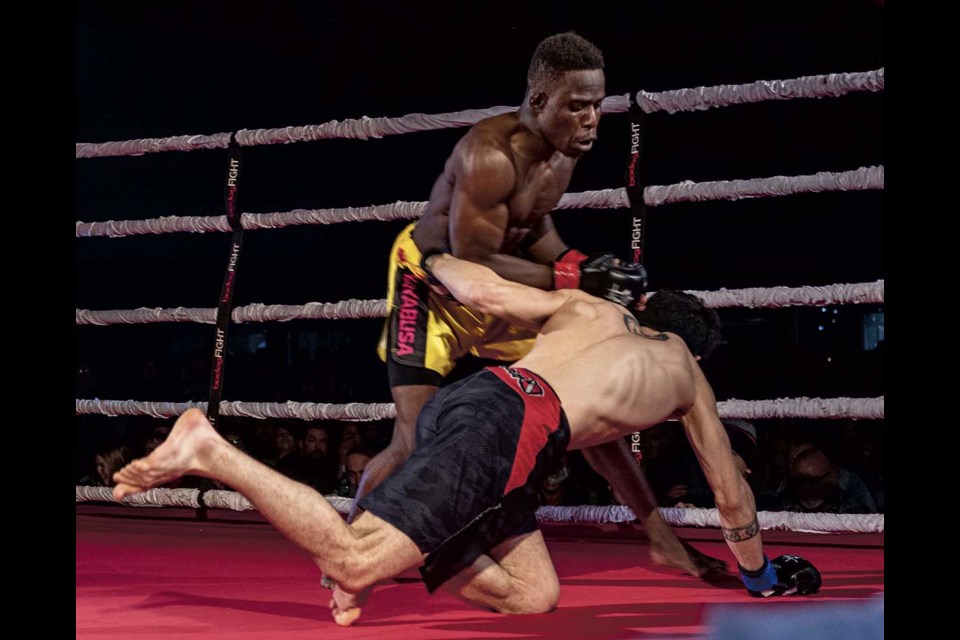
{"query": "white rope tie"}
(865, 408)
(697, 99)
(860, 179)
(783, 520)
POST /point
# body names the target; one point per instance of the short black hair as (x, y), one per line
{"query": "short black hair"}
(685, 315)
(557, 54)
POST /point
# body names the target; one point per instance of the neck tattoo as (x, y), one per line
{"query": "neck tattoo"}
(634, 327)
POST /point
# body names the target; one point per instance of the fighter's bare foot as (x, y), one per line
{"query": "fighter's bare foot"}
(346, 607)
(667, 550)
(681, 555)
(177, 456)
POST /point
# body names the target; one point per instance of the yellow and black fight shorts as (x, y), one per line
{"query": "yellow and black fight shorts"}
(424, 334)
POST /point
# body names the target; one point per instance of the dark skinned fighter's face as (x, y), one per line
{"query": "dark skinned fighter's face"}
(569, 112)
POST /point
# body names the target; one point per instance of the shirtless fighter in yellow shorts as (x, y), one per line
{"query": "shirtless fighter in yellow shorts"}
(491, 206)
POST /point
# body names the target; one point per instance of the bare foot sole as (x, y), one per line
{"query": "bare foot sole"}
(688, 559)
(176, 457)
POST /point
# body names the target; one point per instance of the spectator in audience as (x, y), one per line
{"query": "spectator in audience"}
(355, 461)
(284, 441)
(318, 468)
(349, 439)
(816, 485)
(290, 461)
(109, 459)
(315, 442)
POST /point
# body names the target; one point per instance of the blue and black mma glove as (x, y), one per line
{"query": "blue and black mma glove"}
(785, 575)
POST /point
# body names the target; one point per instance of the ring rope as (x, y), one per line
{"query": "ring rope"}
(687, 191)
(697, 99)
(783, 520)
(837, 408)
(353, 411)
(757, 297)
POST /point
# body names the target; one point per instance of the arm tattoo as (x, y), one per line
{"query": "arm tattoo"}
(634, 327)
(739, 534)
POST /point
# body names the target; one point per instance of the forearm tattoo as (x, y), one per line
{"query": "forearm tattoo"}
(634, 327)
(739, 534)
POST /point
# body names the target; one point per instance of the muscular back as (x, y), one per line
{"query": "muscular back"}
(612, 376)
(498, 171)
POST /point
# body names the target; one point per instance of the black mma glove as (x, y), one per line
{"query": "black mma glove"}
(600, 276)
(785, 575)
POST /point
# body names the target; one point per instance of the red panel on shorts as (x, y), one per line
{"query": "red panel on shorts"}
(541, 417)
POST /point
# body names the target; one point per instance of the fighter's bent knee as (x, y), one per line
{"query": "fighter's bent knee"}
(545, 599)
(538, 598)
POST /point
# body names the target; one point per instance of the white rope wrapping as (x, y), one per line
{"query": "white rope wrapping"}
(837, 408)
(256, 312)
(144, 315)
(859, 293)
(218, 499)
(151, 498)
(855, 180)
(353, 411)
(703, 98)
(860, 179)
(866, 408)
(153, 145)
(366, 128)
(783, 520)
(856, 293)
(697, 99)
(352, 308)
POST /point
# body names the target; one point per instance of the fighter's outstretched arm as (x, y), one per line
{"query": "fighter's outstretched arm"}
(735, 501)
(482, 289)
(784, 575)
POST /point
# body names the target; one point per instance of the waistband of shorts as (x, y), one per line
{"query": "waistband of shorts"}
(549, 392)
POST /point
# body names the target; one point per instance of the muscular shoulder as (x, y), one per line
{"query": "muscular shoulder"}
(483, 168)
(484, 148)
